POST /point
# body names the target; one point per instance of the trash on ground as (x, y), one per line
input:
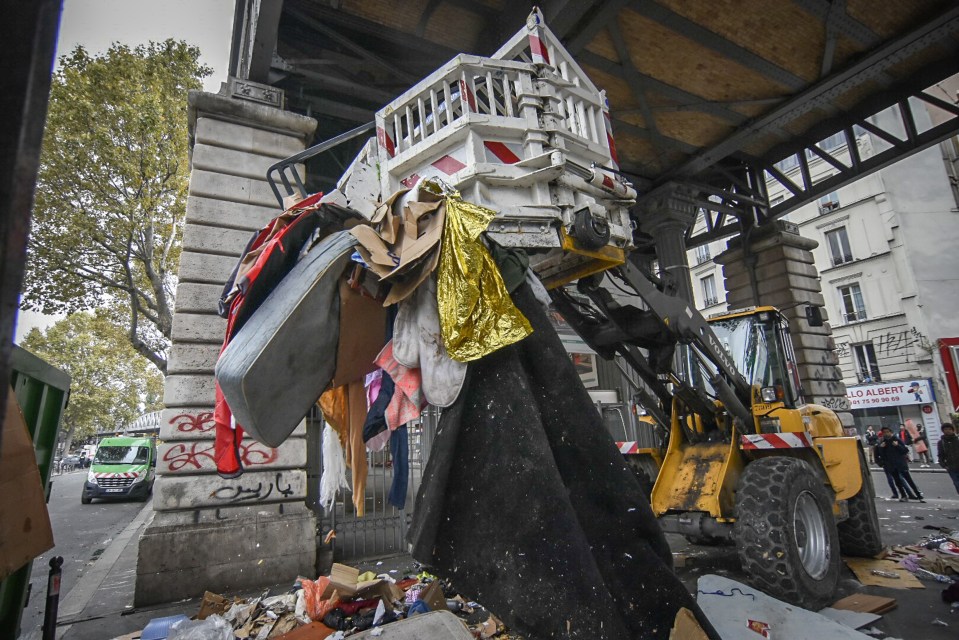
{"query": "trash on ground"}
(882, 573)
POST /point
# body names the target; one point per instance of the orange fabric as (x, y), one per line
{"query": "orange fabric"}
(344, 408)
(356, 453)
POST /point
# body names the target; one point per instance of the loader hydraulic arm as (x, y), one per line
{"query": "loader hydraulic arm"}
(667, 322)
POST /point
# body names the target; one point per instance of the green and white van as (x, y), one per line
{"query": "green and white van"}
(121, 468)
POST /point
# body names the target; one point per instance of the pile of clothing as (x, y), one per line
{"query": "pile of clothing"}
(526, 503)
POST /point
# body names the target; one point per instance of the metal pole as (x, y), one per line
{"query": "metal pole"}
(53, 599)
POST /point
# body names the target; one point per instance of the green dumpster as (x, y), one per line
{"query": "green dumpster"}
(42, 392)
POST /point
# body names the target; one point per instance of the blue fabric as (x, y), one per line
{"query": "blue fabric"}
(417, 607)
(955, 478)
(376, 417)
(400, 450)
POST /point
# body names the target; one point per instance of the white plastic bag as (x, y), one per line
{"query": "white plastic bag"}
(213, 628)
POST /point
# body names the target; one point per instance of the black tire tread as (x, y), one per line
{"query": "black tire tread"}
(763, 531)
(859, 535)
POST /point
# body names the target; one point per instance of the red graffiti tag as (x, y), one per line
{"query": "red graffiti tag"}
(186, 422)
(184, 454)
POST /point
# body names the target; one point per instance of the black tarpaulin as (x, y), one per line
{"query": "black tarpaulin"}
(528, 507)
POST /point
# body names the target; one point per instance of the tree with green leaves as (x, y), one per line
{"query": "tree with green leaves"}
(111, 384)
(112, 186)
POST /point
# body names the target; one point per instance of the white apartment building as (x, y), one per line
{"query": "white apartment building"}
(888, 261)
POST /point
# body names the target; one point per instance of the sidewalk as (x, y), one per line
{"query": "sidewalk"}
(100, 606)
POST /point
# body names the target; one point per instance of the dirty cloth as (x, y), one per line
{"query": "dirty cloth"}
(527, 505)
(477, 315)
(400, 453)
(376, 416)
(344, 408)
(418, 343)
(334, 468)
(408, 400)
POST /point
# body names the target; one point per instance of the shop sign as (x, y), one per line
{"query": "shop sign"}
(891, 394)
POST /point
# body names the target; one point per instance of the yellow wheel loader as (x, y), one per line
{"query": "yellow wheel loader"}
(746, 460)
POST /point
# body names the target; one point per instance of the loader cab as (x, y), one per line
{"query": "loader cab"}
(759, 341)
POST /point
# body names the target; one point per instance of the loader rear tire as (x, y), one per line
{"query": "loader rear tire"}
(785, 531)
(859, 534)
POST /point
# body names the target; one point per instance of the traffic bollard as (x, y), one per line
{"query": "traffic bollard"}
(53, 599)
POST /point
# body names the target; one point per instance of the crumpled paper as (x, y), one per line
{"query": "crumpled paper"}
(477, 315)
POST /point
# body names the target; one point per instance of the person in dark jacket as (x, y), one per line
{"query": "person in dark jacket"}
(892, 456)
(872, 439)
(948, 450)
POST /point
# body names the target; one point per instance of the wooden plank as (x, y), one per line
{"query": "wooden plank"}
(866, 603)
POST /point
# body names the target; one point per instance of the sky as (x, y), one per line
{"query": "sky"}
(96, 24)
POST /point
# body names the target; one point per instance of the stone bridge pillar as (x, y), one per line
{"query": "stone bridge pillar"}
(208, 533)
(774, 266)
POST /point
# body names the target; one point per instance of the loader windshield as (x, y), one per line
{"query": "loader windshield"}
(752, 344)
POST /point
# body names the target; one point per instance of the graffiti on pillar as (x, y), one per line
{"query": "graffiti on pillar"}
(238, 492)
(193, 422)
(836, 403)
(193, 455)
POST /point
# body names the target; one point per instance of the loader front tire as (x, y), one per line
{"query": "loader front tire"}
(785, 531)
(859, 534)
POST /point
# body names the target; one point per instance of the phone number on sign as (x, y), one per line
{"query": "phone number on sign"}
(881, 400)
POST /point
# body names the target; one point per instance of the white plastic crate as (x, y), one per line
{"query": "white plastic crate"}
(521, 133)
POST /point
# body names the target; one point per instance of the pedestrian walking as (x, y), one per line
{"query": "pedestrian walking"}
(872, 439)
(906, 438)
(891, 455)
(921, 446)
(948, 449)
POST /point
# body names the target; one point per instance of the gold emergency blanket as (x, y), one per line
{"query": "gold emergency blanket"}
(477, 315)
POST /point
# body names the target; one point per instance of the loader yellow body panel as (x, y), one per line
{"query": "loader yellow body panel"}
(840, 458)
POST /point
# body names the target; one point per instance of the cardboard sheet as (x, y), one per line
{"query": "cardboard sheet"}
(864, 567)
(362, 335)
(25, 530)
(866, 603)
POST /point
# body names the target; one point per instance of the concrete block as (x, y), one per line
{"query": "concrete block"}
(780, 298)
(171, 492)
(808, 341)
(228, 557)
(211, 131)
(168, 520)
(816, 357)
(205, 268)
(819, 372)
(197, 297)
(769, 282)
(232, 188)
(188, 357)
(264, 538)
(230, 215)
(196, 423)
(196, 327)
(778, 253)
(192, 457)
(187, 423)
(182, 390)
(217, 240)
(234, 162)
(824, 388)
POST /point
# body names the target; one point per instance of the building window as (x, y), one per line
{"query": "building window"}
(838, 241)
(829, 202)
(866, 362)
(702, 253)
(709, 290)
(853, 307)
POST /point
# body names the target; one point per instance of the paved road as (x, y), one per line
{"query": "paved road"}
(81, 533)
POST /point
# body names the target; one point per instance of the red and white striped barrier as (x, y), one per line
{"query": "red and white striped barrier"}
(755, 441)
(628, 447)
